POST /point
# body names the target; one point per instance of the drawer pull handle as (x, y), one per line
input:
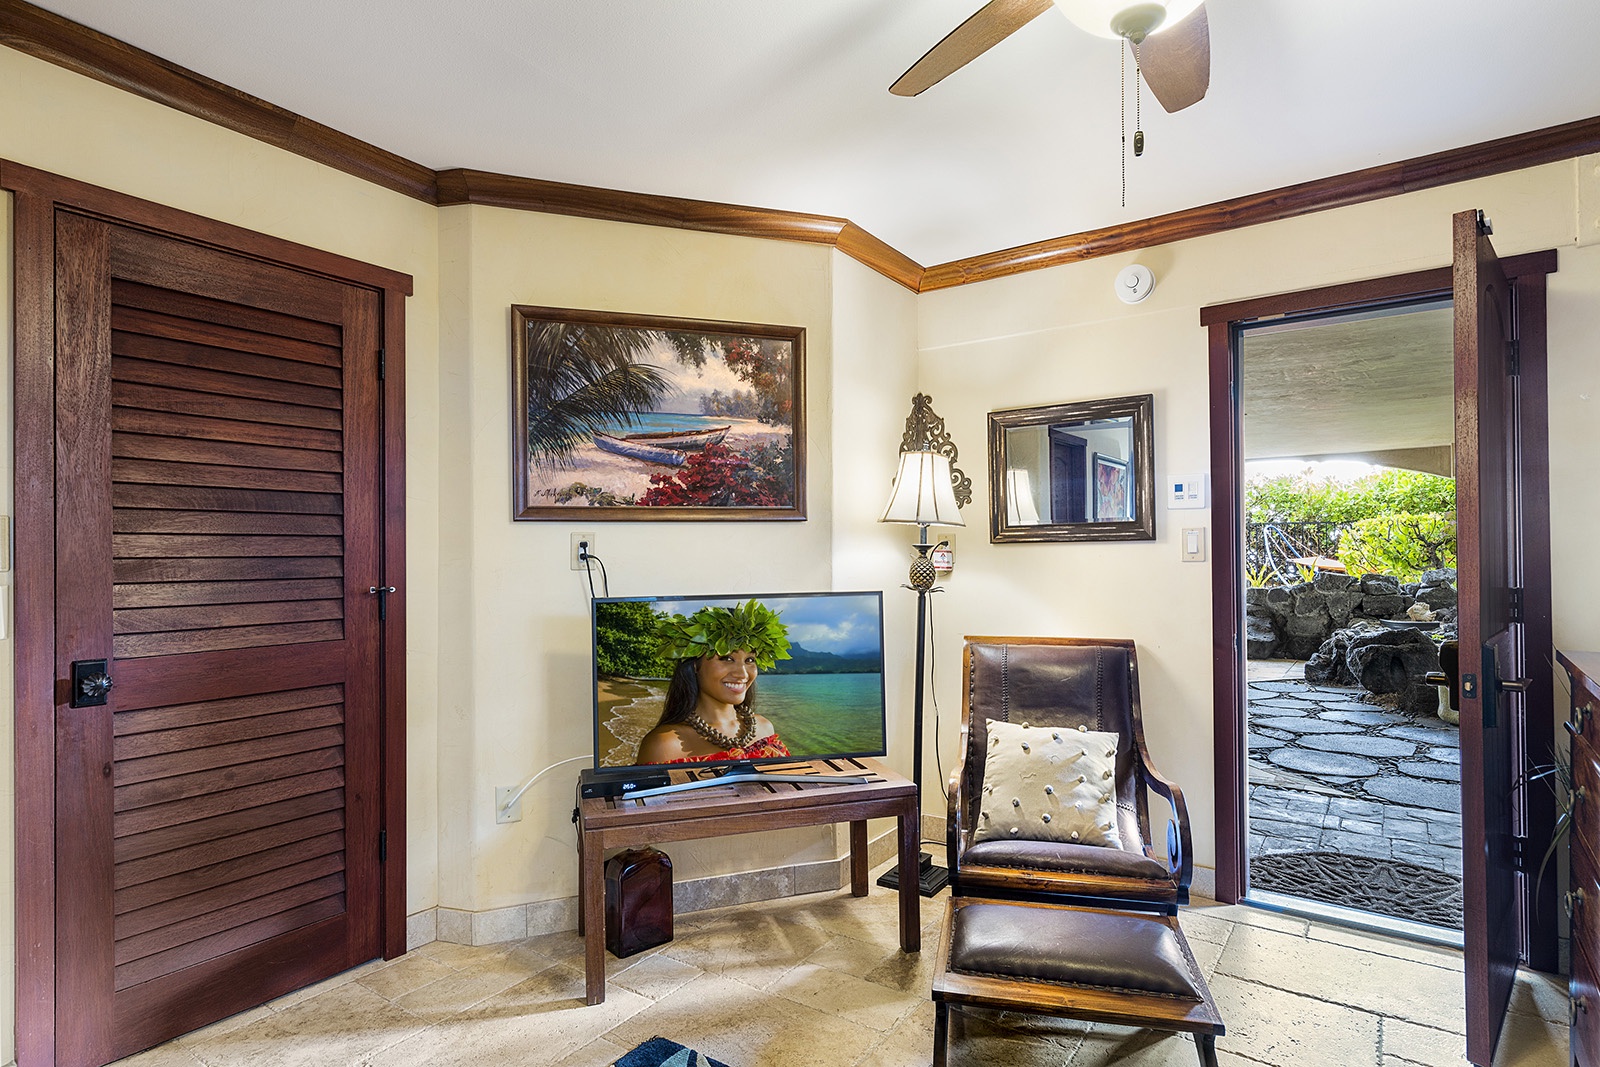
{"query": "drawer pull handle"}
(1581, 717)
(1578, 1004)
(1575, 900)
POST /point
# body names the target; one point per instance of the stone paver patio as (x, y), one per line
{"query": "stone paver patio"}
(1329, 772)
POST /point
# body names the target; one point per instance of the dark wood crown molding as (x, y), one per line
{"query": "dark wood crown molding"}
(43, 35)
(463, 186)
(1374, 183)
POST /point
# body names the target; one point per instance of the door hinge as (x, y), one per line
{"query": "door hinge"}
(1519, 853)
(382, 593)
(383, 364)
(1514, 604)
(383, 846)
(1514, 360)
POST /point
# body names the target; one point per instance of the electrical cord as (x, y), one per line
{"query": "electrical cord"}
(511, 802)
(588, 559)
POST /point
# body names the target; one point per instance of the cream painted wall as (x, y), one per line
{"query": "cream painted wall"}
(874, 356)
(60, 122)
(519, 615)
(1060, 335)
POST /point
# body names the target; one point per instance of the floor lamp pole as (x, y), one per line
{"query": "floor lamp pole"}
(930, 878)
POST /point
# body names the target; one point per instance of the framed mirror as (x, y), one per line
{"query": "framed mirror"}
(1073, 472)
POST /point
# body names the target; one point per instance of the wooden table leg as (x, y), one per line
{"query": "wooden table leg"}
(910, 897)
(941, 1033)
(580, 878)
(591, 888)
(858, 858)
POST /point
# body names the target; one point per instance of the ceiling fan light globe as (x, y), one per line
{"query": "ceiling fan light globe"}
(1132, 19)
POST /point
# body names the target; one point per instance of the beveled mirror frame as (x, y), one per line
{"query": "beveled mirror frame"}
(1142, 527)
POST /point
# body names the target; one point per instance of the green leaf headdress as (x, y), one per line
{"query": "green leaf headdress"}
(752, 627)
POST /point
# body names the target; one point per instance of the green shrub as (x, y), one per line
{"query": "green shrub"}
(1403, 544)
(1305, 498)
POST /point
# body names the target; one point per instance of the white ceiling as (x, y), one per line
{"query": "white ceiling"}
(785, 104)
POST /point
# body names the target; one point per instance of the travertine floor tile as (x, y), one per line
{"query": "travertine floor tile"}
(1382, 985)
(769, 985)
(835, 993)
(399, 977)
(170, 1054)
(1432, 955)
(1203, 924)
(1423, 1045)
(909, 1044)
(1544, 995)
(656, 976)
(535, 1023)
(1528, 1041)
(461, 990)
(1105, 1046)
(597, 1053)
(339, 1026)
(743, 1027)
(988, 1039)
(757, 951)
(1276, 1027)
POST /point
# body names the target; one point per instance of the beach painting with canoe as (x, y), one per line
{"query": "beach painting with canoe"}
(620, 416)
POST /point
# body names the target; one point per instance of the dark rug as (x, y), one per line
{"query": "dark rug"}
(659, 1052)
(1386, 887)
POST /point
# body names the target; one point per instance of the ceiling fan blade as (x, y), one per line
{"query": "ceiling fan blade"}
(993, 23)
(1177, 62)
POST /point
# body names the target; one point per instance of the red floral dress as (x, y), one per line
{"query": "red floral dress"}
(763, 748)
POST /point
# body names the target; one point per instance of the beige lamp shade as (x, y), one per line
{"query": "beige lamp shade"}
(1116, 18)
(922, 492)
(1020, 507)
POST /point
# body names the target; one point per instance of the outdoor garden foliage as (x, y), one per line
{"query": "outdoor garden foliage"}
(1394, 522)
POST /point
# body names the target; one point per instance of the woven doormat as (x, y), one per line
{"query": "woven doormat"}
(659, 1052)
(1385, 887)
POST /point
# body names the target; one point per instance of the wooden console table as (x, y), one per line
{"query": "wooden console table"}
(620, 822)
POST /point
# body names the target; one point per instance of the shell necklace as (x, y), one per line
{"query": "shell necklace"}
(747, 730)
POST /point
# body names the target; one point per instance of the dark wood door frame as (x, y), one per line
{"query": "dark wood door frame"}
(36, 197)
(1223, 322)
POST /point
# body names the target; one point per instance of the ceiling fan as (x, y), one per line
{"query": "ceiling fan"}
(1171, 42)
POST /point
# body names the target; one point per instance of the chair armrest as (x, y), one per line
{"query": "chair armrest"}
(955, 827)
(1180, 857)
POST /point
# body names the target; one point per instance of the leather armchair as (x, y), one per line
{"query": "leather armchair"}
(1052, 681)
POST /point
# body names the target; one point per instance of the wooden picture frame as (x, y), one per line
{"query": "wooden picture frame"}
(1111, 496)
(647, 417)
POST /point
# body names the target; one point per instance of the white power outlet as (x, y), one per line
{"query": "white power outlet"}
(501, 795)
(580, 539)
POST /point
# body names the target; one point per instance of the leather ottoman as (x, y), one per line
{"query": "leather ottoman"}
(1125, 968)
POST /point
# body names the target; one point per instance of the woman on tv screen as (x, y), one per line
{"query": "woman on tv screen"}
(709, 713)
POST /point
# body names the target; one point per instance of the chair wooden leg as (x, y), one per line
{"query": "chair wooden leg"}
(941, 1032)
(1207, 1046)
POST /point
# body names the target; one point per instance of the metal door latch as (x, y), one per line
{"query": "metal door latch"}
(91, 683)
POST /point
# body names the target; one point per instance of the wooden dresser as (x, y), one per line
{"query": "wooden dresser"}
(1583, 901)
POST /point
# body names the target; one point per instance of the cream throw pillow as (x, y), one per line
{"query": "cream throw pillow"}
(1049, 783)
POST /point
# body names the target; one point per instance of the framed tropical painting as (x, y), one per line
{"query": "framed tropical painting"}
(621, 416)
(1110, 489)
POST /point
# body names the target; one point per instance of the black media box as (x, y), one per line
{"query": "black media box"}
(595, 783)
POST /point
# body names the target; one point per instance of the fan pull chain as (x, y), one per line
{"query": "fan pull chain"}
(1138, 123)
(1122, 86)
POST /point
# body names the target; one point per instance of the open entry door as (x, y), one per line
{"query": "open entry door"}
(1489, 538)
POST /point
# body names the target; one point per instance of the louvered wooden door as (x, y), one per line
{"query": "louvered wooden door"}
(218, 506)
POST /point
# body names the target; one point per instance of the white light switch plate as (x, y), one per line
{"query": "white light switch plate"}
(1192, 541)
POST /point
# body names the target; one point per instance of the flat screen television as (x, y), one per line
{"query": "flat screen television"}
(825, 701)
